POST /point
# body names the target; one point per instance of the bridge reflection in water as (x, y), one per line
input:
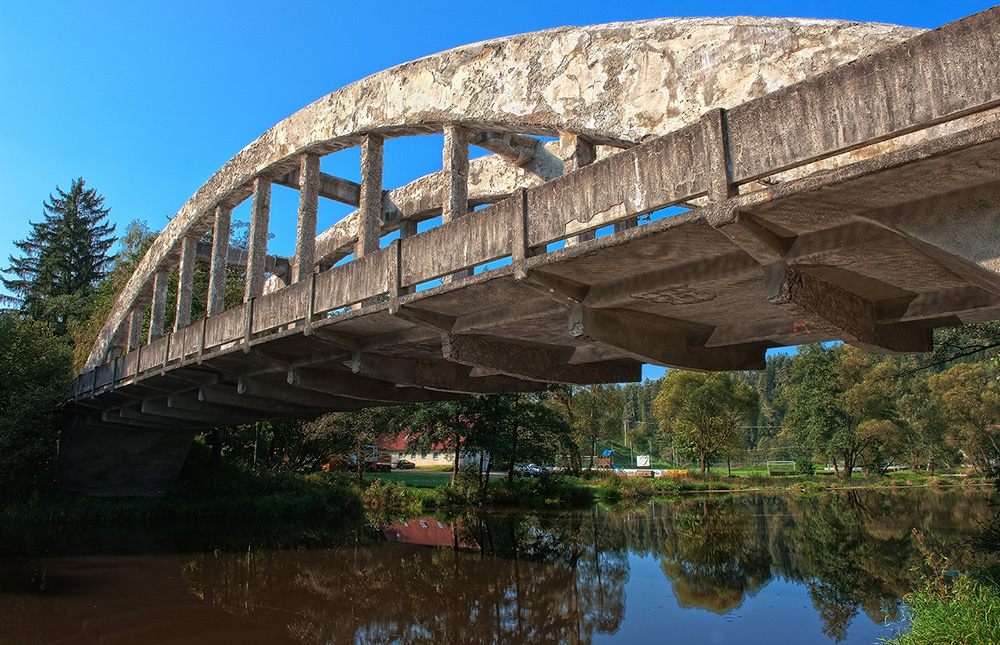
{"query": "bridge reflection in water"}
(749, 569)
(858, 204)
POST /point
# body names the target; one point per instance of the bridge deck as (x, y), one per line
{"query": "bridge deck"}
(861, 205)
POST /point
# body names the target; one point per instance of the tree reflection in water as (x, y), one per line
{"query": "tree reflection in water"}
(562, 578)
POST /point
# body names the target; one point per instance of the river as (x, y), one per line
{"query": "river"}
(809, 568)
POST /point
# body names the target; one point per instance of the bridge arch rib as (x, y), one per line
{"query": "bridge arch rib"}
(825, 201)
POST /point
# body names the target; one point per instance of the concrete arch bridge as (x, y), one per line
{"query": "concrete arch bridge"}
(682, 192)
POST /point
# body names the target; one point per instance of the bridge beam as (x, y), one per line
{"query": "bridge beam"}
(333, 188)
(355, 386)
(438, 375)
(651, 339)
(518, 149)
(842, 314)
(535, 363)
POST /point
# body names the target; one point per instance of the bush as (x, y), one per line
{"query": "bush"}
(34, 373)
(805, 466)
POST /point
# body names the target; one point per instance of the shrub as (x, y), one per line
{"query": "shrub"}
(805, 466)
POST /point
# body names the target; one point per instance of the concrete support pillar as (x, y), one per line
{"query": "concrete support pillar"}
(185, 283)
(159, 310)
(576, 153)
(455, 160)
(220, 256)
(456, 169)
(369, 231)
(260, 216)
(305, 242)
(135, 328)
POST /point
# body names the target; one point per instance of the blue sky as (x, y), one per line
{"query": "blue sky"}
(145, 100)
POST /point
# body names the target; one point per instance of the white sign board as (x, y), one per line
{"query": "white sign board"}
(642, 461)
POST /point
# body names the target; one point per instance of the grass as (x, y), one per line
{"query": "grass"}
(962, 609)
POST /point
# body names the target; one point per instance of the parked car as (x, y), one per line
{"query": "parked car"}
(402, 464)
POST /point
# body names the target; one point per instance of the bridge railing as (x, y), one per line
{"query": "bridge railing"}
(942, 75)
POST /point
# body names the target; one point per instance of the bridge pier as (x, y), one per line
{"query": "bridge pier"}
(119, 461)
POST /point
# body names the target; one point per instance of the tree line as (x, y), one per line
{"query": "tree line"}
(830, 403)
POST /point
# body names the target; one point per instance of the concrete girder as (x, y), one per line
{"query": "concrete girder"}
(518, 149)
(337, 189)
(228, 397)
(346, 384)
(277, 389)
(843, 314)
(657, 341)
(535, 363)
(437, 375)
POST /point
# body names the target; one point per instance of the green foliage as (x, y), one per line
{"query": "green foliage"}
(62, 259)
(805, 466)
(960, 609)
(706, 413)
(970, 402)
(34, 373)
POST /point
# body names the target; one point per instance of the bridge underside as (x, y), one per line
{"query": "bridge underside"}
(864, 254)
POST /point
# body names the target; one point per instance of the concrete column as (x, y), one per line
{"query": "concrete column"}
(305, 242)
(370, 229)
(456, 169)
(185, 283)
(135, 328)
(260, 216)
(576, 153)
(158, 313)
(220, 257)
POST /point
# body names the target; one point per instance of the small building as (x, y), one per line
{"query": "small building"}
(402, 446)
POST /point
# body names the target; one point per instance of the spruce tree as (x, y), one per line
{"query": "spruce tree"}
(63, 258)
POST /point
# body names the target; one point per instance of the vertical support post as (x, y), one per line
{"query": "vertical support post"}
(715, 135)
(220, 260)
(185, 283)
(407, 228)
(370, 230)
(158, 313)
(576, 152)
(455, 159)
(305, 242)
(260, 216)
(135, 328)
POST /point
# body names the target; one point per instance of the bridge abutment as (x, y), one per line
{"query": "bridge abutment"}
(119, 462)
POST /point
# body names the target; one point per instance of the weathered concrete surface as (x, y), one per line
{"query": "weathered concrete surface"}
(615, 84)
(817, 212)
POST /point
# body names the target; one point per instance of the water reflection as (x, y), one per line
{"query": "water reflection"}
(560, 578)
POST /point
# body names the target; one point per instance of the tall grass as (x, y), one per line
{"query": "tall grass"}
(960, 609)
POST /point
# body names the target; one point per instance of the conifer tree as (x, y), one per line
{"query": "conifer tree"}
(63, 258)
